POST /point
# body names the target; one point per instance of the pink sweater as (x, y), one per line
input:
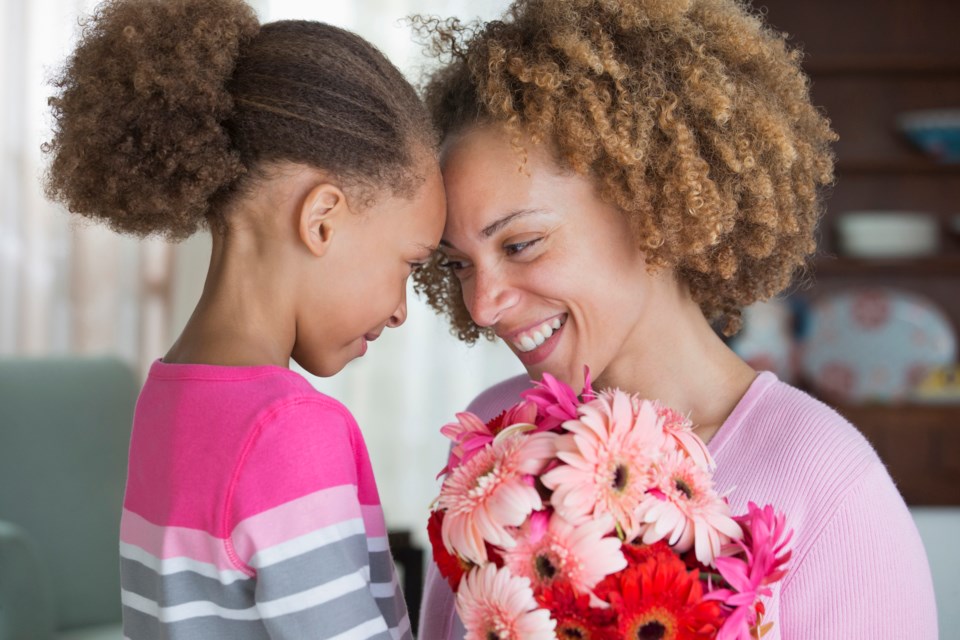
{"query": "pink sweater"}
(251, 512)
(859, 570)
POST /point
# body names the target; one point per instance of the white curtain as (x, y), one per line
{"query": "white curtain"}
(68, 287)
(65, 286)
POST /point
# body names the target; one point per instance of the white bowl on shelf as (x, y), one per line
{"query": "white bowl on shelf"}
(887, 234)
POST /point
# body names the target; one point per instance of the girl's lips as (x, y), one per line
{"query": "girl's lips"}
(363, 347)
(541, 353)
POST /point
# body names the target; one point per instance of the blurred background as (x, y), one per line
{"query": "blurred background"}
(872, 329)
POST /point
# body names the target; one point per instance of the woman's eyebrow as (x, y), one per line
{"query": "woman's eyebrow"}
(500, 223)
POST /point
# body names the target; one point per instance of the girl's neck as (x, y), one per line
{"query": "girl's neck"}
(239, 320)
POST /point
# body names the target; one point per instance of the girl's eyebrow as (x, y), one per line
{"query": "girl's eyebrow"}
(500, 223)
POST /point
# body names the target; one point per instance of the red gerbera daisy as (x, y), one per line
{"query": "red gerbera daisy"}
(657, 599)
(451, 566)
(576, 619)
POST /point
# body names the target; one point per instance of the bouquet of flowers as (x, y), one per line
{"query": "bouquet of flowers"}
(595, 518)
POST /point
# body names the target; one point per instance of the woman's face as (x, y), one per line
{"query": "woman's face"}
(543, 261)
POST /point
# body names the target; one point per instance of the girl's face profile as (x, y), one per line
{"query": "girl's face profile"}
(543, 260)
(365, 275)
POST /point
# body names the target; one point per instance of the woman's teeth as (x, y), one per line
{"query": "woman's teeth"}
(533, 338)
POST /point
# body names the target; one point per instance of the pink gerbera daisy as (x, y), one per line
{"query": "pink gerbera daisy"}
(550, 549)
(470, 434)
(608, 454)
(679, 431)
(683, 509)
(556, 401)
(765, 549)
(493, 603)
(489, 493)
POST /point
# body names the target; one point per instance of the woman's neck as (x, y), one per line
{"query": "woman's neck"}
(686, 366)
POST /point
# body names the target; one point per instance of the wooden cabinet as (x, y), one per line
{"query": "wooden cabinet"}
(870, 61)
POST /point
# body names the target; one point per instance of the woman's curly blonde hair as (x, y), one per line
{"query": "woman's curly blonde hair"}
(692, 116)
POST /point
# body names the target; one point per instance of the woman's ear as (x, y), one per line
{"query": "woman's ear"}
(321, 213)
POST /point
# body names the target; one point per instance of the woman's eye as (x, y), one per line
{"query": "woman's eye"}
(517, 247)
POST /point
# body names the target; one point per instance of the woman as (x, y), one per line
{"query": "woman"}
(620, 177)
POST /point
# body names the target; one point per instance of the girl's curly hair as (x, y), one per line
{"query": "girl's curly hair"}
(169, 108)
(692, 116)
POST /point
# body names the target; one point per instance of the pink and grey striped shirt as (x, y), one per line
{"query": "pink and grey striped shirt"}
(858, 571)
(251, 512)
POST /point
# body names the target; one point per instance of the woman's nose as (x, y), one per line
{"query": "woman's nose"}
(487, 296)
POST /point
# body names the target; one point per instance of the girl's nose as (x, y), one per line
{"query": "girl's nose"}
(399, 316)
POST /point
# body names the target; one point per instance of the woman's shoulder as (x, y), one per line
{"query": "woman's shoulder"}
(788, 420)
(797, 453)
(500, 396)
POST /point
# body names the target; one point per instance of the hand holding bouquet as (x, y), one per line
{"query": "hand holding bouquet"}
(595, 518)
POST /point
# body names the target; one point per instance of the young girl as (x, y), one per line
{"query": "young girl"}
(250, 509)
(618, 175)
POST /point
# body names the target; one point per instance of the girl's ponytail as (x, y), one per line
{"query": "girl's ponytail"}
(139, 140)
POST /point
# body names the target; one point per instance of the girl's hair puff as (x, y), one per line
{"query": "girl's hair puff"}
(167, 109)
(692, 116)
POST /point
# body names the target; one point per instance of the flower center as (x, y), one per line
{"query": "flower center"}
(655, 624)
(570, 632)
(653, 630)
(545, 569)
(493, 635)
(683, 487)
(620, 476)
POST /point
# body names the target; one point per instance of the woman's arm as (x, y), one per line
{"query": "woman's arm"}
(866, 576)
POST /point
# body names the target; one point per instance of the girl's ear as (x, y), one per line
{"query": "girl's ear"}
(321, 214)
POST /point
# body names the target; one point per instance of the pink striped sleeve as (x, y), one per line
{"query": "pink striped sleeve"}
(302, 521)
(298, 449)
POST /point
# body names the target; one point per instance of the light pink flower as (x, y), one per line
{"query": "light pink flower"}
(550, 549)
(470, 434)
(608, 454)
(764, 546)
(489, 493)
(679, 431)
(493, 603)
(683, 509)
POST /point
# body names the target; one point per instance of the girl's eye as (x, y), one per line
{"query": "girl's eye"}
(453, 264)
(517, 247)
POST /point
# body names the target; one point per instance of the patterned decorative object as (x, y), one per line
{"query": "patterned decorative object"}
(766, 341)
(874, 344)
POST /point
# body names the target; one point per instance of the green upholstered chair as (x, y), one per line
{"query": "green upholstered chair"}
(64, 434)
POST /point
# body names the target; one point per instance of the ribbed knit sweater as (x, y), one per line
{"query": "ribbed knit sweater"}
(251, 513)
(858, 571)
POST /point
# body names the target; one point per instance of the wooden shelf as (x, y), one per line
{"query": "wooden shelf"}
(941, 266)
(881, 65)
(918, 166)
(920, 444)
